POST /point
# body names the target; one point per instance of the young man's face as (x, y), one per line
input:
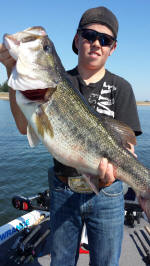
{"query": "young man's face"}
(92, 55)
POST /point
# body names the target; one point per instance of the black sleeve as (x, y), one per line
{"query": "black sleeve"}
(125, 107)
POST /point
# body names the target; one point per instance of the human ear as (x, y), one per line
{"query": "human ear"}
(76, 39)
(112, 49)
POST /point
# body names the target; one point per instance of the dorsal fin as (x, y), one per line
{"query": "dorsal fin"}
(121, 132)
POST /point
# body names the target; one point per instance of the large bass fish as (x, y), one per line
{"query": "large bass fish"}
(59, 116)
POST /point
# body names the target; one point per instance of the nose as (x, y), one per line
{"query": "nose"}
(96, 43)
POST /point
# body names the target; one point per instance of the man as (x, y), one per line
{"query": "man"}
(109, 94)
(103, 214)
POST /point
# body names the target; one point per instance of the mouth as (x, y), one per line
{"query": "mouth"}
(35, 95)
(94, 54)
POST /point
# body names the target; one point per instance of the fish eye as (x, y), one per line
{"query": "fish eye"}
(29, 39)
(47, 48)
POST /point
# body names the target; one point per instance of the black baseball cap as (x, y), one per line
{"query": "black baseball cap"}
(101, 15)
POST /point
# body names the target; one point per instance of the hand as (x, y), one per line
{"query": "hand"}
(144, 200)
(6, 59)
(108, 172)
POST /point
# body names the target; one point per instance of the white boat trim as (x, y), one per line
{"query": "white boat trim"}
(10, 229)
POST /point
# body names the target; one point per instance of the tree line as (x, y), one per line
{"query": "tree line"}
(4, 87)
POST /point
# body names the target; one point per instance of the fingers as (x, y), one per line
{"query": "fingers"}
(5, 58)
(102, 168)
(2, 47)
(4, 54)
(106, 172)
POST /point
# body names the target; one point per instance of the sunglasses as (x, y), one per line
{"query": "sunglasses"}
(92, 36)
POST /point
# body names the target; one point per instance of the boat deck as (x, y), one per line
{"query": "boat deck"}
(133, 253)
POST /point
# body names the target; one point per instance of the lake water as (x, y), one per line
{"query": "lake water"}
(23, 170)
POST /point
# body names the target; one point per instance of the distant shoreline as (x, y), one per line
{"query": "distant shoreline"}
(143, 103)
(5, 96)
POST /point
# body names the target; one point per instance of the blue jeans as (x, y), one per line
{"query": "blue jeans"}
(103, 215)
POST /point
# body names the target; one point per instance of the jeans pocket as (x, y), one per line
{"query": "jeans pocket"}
(114, 190)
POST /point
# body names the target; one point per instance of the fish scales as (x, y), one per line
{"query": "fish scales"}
(93, 138)
(62, 119)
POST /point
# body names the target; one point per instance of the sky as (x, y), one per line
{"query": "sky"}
(60, 18)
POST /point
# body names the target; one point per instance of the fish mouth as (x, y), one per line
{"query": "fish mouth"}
(11, 38)
(24, 36)
(35, 95)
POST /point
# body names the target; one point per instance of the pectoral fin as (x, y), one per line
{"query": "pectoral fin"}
(43, 123)
(32, 137)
